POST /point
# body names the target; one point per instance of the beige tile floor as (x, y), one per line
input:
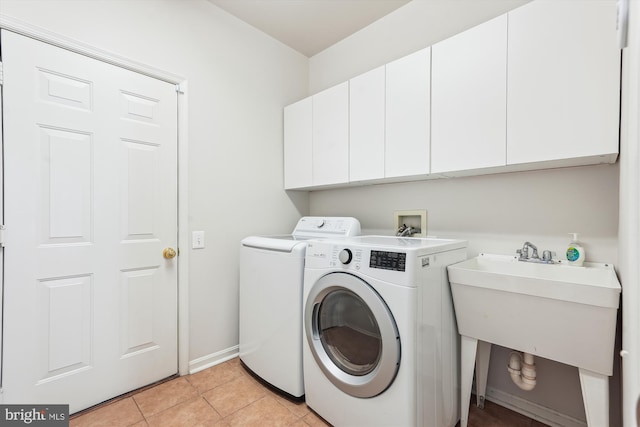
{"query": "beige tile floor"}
(223, 395)
(227, 395)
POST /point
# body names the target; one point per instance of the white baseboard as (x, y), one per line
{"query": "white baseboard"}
(532, 410)
(213, 359)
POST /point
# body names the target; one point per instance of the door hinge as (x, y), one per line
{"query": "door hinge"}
(2, 235)
(179, 89)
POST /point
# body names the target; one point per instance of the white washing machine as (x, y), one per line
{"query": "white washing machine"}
(380, 339)
(271, 272)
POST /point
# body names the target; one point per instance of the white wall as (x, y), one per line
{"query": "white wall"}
(495, 213)
(239, 80)
(418, 24)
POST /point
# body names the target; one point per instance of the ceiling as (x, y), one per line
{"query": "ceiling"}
(309, 26)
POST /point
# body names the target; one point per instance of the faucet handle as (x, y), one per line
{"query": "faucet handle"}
(547, 255)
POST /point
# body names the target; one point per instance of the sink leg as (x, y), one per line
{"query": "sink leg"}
(468, 348)
(595, 395)
(482, 370)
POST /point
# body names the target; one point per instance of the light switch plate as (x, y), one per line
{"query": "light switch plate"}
(197, 240)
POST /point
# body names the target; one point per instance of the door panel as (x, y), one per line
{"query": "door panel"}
(64, 326)
(90, 202)
(65, 171)
(137, 323)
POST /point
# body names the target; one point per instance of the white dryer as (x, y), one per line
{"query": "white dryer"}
(271, 272)
(380, 339)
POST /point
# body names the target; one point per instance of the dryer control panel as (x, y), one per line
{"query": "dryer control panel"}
(395, 261)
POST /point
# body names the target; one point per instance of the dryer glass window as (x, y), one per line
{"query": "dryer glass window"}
(349, 332)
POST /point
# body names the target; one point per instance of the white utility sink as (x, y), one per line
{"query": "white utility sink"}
(557, 311)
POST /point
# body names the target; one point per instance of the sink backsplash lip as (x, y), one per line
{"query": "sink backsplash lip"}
(591, 284)
(558, 262)
(588, 269)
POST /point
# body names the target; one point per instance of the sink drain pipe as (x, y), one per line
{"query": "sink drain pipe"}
(523, 373)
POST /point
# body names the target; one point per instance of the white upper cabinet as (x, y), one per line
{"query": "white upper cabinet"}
(468, 99)
(331, 136)
(366, 125)
(564, 81)
(408, 93)
(298, 144)
(536, 88)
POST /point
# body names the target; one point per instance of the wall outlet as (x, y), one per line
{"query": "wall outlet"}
(197, 240)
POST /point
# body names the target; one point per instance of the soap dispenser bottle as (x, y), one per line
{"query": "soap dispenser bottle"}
(575, 251)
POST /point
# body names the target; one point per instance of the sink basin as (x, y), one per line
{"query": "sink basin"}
(556, 311)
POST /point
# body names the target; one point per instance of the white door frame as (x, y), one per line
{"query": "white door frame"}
(629, 220)
(46, 36)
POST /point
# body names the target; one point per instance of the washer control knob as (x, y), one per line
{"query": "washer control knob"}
(345, 256)
(320, 223)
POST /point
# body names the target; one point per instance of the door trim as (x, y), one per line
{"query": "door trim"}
(46, 36)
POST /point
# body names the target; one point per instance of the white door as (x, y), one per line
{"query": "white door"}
(366, 125)
(330, 130)
(90, 303)
(298, 143)
(469, 99)
(408, 115)
(563, 97)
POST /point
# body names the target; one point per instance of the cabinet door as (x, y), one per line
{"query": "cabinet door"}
(366, 125)
(564, 77)
(298, 144)
(408, 115)
(469, 99)
(331, 135)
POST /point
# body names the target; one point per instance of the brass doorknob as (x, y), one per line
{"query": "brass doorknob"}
(169, 253)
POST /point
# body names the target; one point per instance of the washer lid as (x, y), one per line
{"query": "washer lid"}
(284, 243)
(308, 227)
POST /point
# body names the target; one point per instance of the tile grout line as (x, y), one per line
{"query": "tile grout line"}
(140, 410)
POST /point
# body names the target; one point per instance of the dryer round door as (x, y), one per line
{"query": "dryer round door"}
(352, 335)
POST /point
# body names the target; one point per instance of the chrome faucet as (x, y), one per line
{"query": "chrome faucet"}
(547, 256)
(524, 252)
(405, 231)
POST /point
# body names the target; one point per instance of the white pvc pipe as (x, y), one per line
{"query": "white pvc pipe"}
(523, 374)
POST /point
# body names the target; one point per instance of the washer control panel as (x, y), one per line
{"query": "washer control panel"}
(345, 256)
(313, 226)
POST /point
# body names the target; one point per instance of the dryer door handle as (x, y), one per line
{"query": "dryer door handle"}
(314, 321)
